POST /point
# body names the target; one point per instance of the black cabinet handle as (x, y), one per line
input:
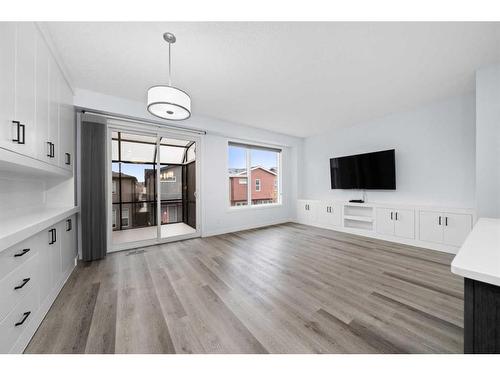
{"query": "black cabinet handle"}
(446, 221)
(439, 220)
(25, 281)
(23, 251)
(396, 216)
(25, 316)
(392, 213)
(69, 225)
(16, 123)
(52, 150)
(49, 150)
(68, 158)
(53, 236)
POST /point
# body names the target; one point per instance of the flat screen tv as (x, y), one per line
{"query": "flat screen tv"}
(374, 170)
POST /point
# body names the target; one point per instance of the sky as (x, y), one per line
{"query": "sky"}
(237, 158)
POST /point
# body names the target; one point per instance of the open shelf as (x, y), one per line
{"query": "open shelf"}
(14, 164)
(17, 225)
(359, 218)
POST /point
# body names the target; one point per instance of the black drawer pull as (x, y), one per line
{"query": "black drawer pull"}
(25, 281)
(69, 225)
(53, 236)
(21, 322)
(68, 158)
(23, 251)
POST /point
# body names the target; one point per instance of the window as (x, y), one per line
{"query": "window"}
(257, 184)
(260, 165)
(168, 176)
(125, 218)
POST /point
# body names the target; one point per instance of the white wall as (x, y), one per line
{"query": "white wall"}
(435, 155)
(216, 216)
(488, 142)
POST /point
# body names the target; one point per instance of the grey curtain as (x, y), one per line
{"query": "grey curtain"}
(93, 190)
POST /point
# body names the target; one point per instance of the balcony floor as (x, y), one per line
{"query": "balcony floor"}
(140, 234)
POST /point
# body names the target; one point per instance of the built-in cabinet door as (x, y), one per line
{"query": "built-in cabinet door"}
(306, 211)
(456, 228)
(68, 244)
(54, 88)
(45, 264)
(385, 221)
(8, 129)
(404, 223)
(42, 100)
(328, 214)
(431, 226)
(66, 127)
(25, 87)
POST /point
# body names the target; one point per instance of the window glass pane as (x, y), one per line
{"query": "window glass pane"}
(238, 186)
(171, 212)
(171, 182)
(171, 155)
(264, 174)
(137, 152)
(175, 142)
(137, 182)
(114, 150)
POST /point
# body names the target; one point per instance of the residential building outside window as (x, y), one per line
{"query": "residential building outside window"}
(259, 164)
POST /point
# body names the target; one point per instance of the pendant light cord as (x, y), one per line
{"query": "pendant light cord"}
(169, 65)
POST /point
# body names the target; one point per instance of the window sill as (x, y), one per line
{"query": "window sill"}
(254, 207)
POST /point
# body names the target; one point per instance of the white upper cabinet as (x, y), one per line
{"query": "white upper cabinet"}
(66, 127)
(42, 99)
(36, 104)
(25, 87)
(8, 130)
(54, 88)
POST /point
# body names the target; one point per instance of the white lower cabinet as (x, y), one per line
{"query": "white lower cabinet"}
(329, 214)
(306, 211)
(396, 222)
(31, 274)
(443, 227)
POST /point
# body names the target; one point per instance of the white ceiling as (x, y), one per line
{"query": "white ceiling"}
(294, 78)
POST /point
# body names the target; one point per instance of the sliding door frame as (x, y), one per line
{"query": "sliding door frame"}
(154, 131)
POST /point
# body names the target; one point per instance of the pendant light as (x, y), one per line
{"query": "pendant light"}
(165, 101)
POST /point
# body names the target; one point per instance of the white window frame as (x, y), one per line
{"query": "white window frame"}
(249, 205)
(259, 185)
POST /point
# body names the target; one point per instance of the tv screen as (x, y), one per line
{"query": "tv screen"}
(374, 170)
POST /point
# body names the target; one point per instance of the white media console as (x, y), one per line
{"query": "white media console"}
(437, 228)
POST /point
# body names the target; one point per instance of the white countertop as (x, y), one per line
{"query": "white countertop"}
(479, 256)
(15, 226)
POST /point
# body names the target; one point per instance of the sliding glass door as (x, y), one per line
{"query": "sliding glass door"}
(153, 188)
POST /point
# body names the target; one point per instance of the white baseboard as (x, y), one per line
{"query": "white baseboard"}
(244, 227)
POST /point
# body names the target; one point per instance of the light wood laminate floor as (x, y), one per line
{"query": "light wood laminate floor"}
(282, 289)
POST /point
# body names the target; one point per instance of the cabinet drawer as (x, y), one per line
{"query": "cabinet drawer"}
(17, 285)
(16, 322)
(15, 256)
